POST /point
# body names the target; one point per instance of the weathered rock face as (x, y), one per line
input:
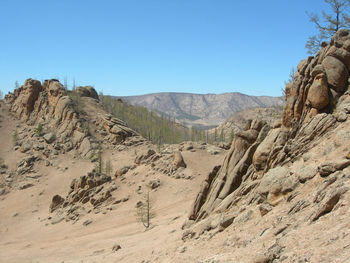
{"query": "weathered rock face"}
(91, 190)
(63, 120)
(318, 80)
(87, 91)
(259, 174)
(24, 98)
(55, 91)
(237, 165)
(117, 129)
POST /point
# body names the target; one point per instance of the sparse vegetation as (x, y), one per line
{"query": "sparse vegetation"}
(39, 130)
(338, 19)
(99, 166)
(232, 135)
(77, 102)
(144, 211)
(15, 138)
(85, 127)
(17, 86)
(157, 128)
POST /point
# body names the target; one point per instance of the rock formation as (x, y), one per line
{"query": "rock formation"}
(61, 114)
(260, 167)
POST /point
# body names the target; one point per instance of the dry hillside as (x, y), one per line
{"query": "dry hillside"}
(202, 109)
(279, 194)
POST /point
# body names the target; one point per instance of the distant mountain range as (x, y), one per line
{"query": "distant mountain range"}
(202, 109)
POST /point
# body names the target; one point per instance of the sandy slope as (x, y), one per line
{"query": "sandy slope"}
(28, 236)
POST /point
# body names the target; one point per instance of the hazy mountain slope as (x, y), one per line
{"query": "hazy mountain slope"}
(202, 109)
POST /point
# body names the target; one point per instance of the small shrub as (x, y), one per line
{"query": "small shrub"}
(39, 130)
(15, 138)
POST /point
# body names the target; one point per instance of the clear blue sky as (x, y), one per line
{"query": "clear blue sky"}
(135, 47)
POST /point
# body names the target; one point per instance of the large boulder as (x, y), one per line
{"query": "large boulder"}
(179, 160)
(318, 92)
(337, 74)
(57, 200)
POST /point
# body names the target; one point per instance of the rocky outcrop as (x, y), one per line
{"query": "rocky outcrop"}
(258, 172)
(233, 172)
(24, 98)
(91, 190)
(60, 114)
(87, 91)
(319, 81)
(116, 129)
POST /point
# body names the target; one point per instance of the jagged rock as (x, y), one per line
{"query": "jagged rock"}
(179, 160)
(55, 91)
(88, 188)
(2, 191)
(234, 168)
(25, 96)
(87, 91)
(203, 193)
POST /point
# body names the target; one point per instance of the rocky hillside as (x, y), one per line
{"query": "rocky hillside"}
(237, 121)
(279, 184)
(73, 180)
(202, 109)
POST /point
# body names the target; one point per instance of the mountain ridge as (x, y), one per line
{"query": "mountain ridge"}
(201, 109)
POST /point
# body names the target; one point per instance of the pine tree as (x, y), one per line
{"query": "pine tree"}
(338, 19)
(144, 211)
(17, 86)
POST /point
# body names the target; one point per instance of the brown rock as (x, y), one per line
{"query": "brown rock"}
(55, 90)
(336, 72)
(56, 201)
(318, 92)
(179, 160)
